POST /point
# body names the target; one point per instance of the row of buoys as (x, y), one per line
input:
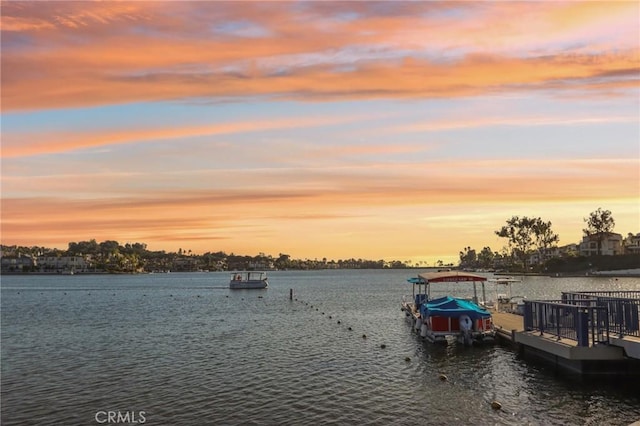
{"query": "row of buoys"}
(364, 336)
(441, 376)
(144, 295)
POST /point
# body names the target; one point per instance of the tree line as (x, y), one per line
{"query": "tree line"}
(111, 256)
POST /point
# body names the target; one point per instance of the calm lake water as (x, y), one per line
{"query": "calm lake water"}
(183, 349)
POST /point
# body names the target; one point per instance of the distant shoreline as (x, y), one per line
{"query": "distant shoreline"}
(66, 275)
(622, 273)
(619, 273)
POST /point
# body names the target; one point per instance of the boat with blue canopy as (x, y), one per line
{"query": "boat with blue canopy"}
(440, 318)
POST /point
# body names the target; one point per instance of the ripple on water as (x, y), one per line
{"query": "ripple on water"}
(237, 358)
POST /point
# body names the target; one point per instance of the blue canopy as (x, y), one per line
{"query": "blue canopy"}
(448, 306)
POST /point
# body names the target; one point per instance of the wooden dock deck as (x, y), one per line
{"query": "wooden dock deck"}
(505, 322)
(510, 327)
(565, 353)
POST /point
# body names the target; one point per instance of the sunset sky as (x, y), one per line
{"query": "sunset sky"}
(374, 130)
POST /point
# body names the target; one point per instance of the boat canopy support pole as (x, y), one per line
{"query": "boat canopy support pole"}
(484, 296)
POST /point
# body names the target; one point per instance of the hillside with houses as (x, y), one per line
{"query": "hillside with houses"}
(615, 252)
(111, 257)
(531, 248)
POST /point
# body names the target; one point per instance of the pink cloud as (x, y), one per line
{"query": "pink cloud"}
(95, 47)
(38, 143)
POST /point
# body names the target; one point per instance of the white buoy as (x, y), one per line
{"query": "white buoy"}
(423, 330)
(465, 323)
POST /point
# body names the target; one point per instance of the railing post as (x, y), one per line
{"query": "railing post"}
(528, 316)
(620, 317)
(582, 326)
(541, 307)
(606, 324)
(632, 322)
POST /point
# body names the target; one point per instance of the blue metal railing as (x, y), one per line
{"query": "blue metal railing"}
(627, 294)
(623, 308)
(588, 325)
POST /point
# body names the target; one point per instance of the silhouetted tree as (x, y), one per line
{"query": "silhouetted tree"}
(599, 224)
(519, 235)
(485, 258)
(545, 238)
(468, 258)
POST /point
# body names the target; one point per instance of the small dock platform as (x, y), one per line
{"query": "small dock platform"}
(582, 333)
(506, 324)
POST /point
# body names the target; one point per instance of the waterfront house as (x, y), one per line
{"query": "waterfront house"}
(611, 244)
(62, 264)
(261, 265)
(632, 244)
(12, 264)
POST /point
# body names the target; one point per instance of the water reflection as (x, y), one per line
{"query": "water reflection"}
(189, 351)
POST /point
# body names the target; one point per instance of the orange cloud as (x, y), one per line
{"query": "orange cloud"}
(584, 14)
(437, 182)
(324, 190)
(334, 204)
(338, 203)
(38, 143)
(488, 121)
(471, 76)
(293, 57)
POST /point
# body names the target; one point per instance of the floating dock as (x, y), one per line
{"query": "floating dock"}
(587, 333)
